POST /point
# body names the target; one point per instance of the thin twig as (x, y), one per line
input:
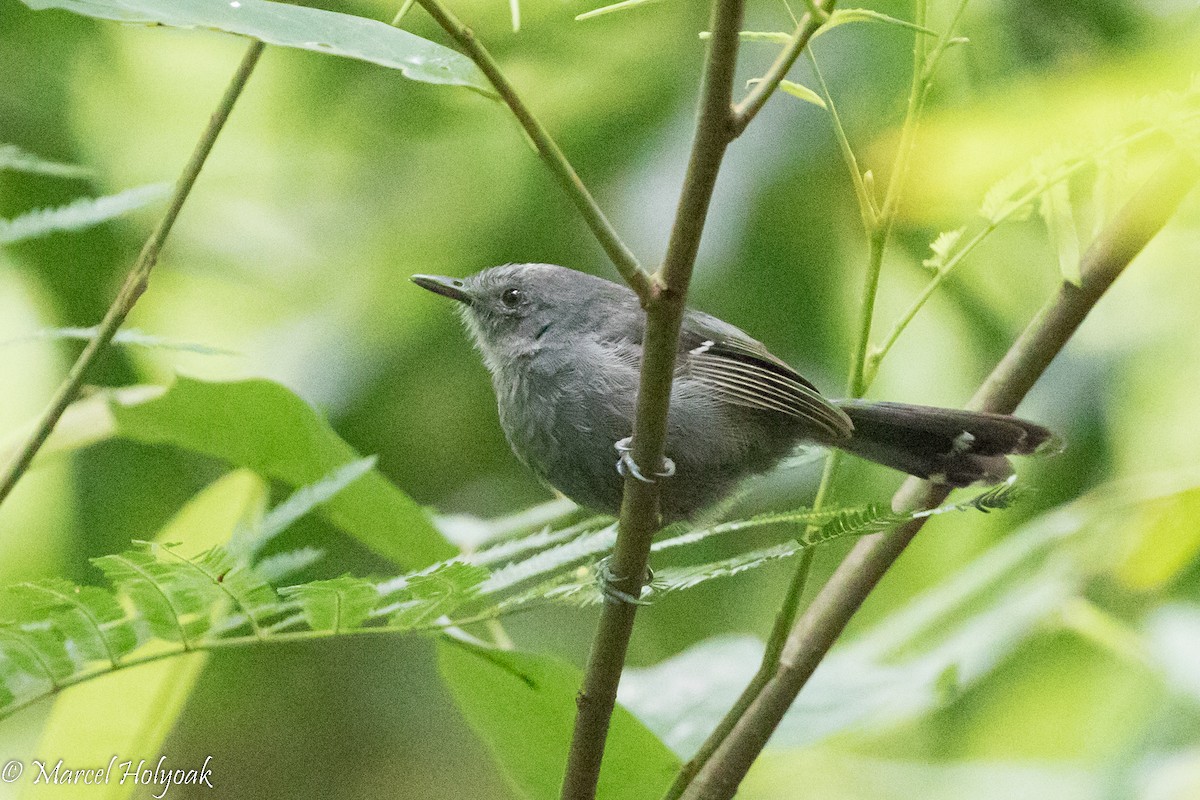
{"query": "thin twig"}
(640, 508)
(135, 282)
(1049, 331)
(748, 108)
(622, 257)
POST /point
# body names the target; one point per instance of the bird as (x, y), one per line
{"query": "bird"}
(564, 351)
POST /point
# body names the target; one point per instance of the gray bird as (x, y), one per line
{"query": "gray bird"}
(564, 350)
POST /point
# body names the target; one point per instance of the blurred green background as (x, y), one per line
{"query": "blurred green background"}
(336, 180)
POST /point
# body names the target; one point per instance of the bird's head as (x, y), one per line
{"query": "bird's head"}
(514, 310)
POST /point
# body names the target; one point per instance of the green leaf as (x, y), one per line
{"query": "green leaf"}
(437, 591)
(14, 159)
(282, 565)
(174, 601)
(247, 591)
(260, 425)
(773, 37)
(334, 605)
(131, 711)
(523, 707)
(130, 336)
(295, 26)
(302, 501)
(802, 92)
(844, 16)
(89, 618)
(82, 213)
(941, 248)
(625, 5)
(1055, 210)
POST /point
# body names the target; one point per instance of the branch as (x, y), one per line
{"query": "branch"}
(640, 516)
(135, 282)
(621, 256)
(1049, 331)
(746, 110)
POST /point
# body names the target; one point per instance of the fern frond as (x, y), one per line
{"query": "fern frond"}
(89, 619)
(246, 543)
(433, 593)
(238, 582)
(283, 565)
(130, 336)
(336, 605)
(82, 213)
(14, 159)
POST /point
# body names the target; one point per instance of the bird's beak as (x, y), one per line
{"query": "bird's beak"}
(447, 287)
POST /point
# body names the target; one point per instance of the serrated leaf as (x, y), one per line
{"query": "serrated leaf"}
(287, 25)
(14, 159)
(625, 5)
(132, 711)
(811, 529)
(277, 566)
(172, 599)
(552, 561)
(90, 620)
(247, 592)
(434, 593)
(82, 213)
(130, 336)
(247, 544)
(33, 660)
(335, 605)
(941, 248)
(1055, 210)
(844, 16)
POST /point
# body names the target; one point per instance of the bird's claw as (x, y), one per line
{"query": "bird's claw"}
(609, 590)
(626, 465)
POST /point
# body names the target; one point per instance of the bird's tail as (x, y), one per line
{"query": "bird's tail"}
(947, 446)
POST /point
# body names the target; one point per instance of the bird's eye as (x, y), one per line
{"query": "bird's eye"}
(511, 297)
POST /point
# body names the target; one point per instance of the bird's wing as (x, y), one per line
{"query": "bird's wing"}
(739, 370)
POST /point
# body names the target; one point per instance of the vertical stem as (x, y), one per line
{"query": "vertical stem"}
(664, 314)
(135, 282)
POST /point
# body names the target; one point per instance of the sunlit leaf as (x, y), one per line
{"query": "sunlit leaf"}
(80, 214)
(842, 16)
(334, 605)
(625, 5)
(14, 159)
(522, 705)
(263, 426)
(802, 92)
(90, 620)
(1055, 210)
(295, 26)
(941, 248)
(130, 336)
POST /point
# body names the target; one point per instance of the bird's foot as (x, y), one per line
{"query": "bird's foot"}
(608, 587)
(626, 465)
